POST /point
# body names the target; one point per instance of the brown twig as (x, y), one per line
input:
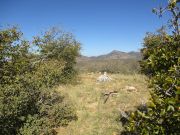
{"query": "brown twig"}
(108, 95)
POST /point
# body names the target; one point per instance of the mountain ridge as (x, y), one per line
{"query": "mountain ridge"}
(115, 54)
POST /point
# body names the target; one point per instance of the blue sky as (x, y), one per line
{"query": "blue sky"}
(100, 25)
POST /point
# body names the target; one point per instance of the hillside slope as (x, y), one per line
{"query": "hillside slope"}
(113, 62)
(115, 54)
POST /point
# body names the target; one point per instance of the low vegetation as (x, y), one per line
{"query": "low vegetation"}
(95, 116)
(122, 66)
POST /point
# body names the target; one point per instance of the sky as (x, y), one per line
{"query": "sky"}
(99, 25)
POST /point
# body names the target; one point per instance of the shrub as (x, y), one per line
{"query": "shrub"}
(28, 103)
(58, 45)
(161, 62)
(162, 110)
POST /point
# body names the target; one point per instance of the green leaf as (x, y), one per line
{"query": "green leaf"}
(170, 108)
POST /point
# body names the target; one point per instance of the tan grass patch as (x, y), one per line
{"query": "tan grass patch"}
(95, 117)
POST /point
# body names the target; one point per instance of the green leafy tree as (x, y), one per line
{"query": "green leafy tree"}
(161, 62)
(14, 58)
(28, 102)
(59, 45)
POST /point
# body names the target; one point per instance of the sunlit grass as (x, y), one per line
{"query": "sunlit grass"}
(95, 117)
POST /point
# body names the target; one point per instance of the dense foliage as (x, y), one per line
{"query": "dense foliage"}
(29, 103)
(58, 45)
(161, 62)
(161, 114)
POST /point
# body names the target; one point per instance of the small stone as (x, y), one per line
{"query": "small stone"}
(130, 88)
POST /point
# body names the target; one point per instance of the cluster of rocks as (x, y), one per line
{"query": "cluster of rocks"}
(104, 78)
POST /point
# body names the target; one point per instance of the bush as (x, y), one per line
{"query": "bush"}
(161, 62)
(28, 103)
(58, 45)
(162, 115)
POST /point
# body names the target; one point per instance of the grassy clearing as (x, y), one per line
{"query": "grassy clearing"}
(95, 117)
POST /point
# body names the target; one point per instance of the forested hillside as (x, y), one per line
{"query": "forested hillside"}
(113, 62)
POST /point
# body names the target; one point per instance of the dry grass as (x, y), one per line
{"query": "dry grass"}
(95, 117)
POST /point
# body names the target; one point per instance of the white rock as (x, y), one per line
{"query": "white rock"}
(130, 88)
(104, 78)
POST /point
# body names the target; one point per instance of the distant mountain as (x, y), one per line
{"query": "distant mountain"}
(113, 62)
(114, 55)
